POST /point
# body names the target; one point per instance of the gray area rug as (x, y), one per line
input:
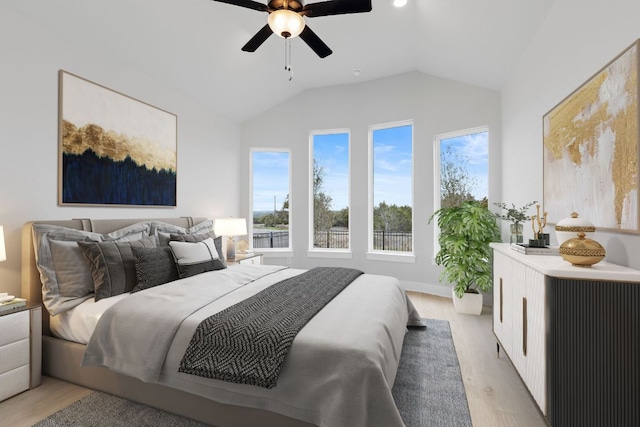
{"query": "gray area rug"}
(428, 391)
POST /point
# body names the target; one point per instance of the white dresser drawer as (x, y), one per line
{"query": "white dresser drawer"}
(14, 327)
(14, 355)
(14, 382)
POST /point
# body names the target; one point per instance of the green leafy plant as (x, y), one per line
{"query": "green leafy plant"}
(513, 214)
(465, 233)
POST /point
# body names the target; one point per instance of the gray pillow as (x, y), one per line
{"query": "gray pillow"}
(194, 258)
(162, 231)
(218, 264)
(112, 265)
(64, 289)
(154, 266)
(70, 271)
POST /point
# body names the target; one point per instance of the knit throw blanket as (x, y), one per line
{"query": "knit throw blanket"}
(248, 342)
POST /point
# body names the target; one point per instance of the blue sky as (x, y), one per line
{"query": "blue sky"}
(392, 167)
(270, 178)
(474, 148)
(331, 152)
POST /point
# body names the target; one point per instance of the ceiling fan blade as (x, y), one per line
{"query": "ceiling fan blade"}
(336, 7)
(258, 39)
(249, 4)
(314, 42)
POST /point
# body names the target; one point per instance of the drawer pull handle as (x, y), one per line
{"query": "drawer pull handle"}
(524, 326)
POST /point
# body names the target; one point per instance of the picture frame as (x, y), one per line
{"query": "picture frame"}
(591, 149)
(114, 150)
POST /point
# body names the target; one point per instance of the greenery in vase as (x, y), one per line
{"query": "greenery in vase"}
(465, 233)
(513, 214)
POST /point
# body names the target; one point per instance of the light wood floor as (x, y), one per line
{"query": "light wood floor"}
(496, 395)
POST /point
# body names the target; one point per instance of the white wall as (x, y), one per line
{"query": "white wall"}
(208, 145)
(576, 40)
(436, 105)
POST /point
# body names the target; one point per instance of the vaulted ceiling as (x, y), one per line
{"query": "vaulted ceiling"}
(194, 45)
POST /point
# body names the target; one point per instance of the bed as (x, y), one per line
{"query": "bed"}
(339, 371)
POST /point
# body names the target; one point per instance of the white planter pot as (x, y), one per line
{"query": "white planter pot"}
(468, 304)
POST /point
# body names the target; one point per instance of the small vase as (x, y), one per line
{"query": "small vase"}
(516, 232)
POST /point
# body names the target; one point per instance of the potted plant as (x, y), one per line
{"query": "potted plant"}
(516, 216)
(465, 233)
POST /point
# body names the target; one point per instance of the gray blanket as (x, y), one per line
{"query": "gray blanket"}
(142, 349)
(248, 342)
(339, 370)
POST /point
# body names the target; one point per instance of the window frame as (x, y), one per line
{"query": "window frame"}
(379, 255)
(278, 252)
(437, 171)
(312, 251)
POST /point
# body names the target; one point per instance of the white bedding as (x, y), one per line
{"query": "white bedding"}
(339, 371)
(78, 323)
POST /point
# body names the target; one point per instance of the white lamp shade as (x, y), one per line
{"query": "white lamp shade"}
(3, 252)
(286, 23)
(230, 227)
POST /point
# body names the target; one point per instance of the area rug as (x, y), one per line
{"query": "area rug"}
(428, 391)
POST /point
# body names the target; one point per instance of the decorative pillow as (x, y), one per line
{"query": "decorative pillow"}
(154, 266)
(194, 258)
(219, 263)
(66, 279)
(162, 230)
(136, 231)
(112, 265)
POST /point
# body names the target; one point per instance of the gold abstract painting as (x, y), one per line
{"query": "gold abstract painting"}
(591, 149)
(114, 150)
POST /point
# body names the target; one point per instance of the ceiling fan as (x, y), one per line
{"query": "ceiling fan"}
(286, 19)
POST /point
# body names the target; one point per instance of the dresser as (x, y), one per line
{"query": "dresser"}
(573, 335)
(20, 350)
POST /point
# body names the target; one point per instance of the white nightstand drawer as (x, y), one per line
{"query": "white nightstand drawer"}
(14, 355)
(14, 382)
(14, 327)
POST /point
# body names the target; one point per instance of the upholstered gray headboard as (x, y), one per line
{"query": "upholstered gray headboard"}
(31, 284)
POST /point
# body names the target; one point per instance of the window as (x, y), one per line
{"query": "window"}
(462, 168)
(329, 204)
(270, 190)
(391, 188)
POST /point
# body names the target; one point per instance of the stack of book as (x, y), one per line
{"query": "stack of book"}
(531, 250)
(9, 302)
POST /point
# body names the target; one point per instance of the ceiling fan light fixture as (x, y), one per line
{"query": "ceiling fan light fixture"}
(286, 23)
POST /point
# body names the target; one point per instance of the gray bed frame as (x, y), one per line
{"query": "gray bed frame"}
(61, 358)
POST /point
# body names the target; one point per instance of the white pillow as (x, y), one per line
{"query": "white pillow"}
(194, 258)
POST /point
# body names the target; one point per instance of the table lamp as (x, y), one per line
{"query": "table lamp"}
(230, 227)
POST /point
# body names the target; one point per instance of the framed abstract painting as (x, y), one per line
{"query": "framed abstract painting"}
(113, 149)
(591, 148)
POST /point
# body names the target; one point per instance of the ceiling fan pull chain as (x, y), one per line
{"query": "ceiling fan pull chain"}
(287, 57)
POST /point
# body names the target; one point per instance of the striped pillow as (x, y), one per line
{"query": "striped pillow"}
(194, 258)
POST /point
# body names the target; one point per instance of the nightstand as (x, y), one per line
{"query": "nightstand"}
(20, 350)
(255, 259)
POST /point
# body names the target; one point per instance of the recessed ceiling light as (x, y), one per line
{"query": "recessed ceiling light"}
(399, 3)
(356, 72)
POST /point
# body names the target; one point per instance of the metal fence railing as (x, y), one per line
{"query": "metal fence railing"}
(271, 239)
(332, 239)
(337, 239)
(399, 241)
